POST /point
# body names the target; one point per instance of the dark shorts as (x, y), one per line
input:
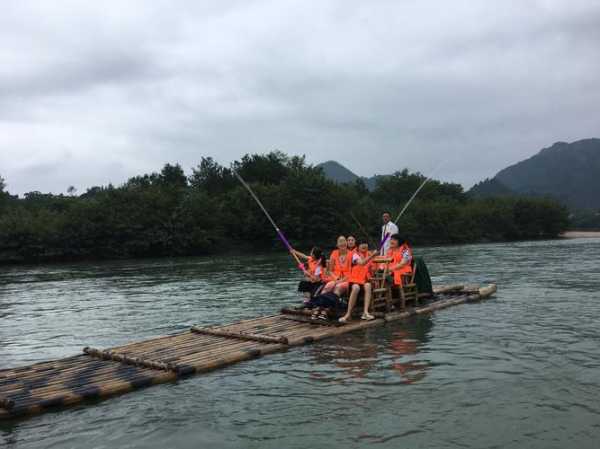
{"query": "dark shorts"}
(309, 287)
(326, 301)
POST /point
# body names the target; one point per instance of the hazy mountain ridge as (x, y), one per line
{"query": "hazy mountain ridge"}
(569, 172)
(340, 174)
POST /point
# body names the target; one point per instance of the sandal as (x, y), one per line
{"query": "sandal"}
(367, 317)
(343, 320)
(315, 314)
(323, 316)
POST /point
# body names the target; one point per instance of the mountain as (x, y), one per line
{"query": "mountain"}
(490, 187)
(569, 172)
(337, 172)
(340, 174)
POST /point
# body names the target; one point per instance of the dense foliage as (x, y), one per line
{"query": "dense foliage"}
(169, 213)
(586, 219)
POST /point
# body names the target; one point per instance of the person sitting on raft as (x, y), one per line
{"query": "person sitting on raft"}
(401, 254)
(337, 275)
(340, 266)
(359, 280)
(314, 272)
(351, 243)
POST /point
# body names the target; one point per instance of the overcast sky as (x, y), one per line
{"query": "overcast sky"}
(96, 92)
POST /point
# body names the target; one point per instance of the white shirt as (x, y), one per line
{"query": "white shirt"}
(391, 229)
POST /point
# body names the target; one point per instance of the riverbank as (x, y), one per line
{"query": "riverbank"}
(580, 234)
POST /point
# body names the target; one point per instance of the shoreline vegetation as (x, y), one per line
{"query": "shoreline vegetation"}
(209, 212)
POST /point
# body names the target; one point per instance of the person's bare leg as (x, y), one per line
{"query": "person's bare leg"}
(366, 313)
(341, 288)
(328, 287)
(351, 303)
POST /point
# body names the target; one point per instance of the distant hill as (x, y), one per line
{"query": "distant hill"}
(337, 172)
(490, 187)
(569, 172)
(340, 174)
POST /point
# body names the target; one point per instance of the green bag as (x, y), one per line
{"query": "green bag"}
(422, 278)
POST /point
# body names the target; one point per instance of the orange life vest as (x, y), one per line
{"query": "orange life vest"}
(360, 273)
(397, 255)
(338, 268)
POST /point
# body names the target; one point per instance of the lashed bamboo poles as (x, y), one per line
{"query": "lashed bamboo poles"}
(65, 386)
(111, 355)
(240, 336)
(70, 379)
(91, 392)
(32, 389)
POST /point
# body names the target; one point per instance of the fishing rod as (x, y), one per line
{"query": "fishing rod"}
(279, 233)
(381, 243)
(408, 203)
(410, 200)
(360, 226)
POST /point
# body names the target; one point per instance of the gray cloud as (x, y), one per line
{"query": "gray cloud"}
(91, 94)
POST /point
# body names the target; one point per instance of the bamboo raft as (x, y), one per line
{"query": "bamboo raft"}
(96, 373)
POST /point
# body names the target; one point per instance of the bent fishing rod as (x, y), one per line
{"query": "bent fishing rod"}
(410, 200)
(277, 230)
(361, 227)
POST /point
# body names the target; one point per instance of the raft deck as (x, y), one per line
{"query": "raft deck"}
(34, 389)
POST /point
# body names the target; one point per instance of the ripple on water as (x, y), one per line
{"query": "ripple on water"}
(521, 370)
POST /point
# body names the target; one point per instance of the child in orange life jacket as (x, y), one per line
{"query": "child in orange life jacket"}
(359, 280)
(401, 254)
(314, 273)
(340, 264)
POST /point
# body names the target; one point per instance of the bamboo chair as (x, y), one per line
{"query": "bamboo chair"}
(381, 298)
(408, 291)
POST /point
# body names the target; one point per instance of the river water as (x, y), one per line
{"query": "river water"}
(520, 370)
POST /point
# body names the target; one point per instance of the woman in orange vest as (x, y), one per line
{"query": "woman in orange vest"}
(401, 255)
(314, 273)
(359, 280)
(340, 265)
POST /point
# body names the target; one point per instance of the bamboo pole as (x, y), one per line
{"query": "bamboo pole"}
(110, 355)
(448, 289)
(303, 312)
(6, 403)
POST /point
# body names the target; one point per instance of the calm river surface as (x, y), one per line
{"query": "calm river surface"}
(520, 370)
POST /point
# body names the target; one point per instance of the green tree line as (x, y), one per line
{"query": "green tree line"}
(208, 211)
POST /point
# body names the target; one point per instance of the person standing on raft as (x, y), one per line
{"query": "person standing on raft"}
(389, 228)
(359, 280)
(401, 254)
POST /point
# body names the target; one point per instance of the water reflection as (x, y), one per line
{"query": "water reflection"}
(368, 354)
(404, 346)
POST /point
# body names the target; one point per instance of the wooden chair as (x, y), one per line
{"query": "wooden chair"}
(381, 299)
(408, 291)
